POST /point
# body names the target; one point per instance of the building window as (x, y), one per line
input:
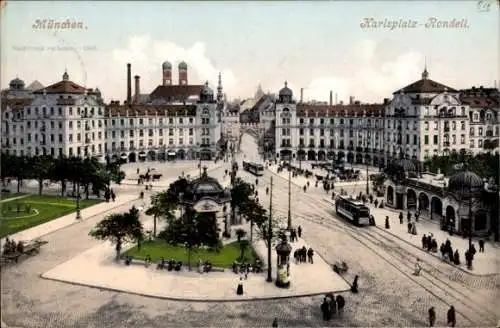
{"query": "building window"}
(435, 141)
(426, 140)
(462, 139)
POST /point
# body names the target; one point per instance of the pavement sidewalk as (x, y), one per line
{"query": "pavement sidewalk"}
(102, 271)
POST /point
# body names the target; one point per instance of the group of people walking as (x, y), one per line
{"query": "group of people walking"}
(451, 319)
(332, 306)
(303, 254)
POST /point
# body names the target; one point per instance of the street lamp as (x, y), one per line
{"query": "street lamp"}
(289, 221)
(78, 214)
(269, 234)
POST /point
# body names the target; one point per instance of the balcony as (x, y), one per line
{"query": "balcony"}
(322, 146)
(341, 147)
(205, 145)
(350, 148)
(311, 146)
(66, 102)
(489, 133)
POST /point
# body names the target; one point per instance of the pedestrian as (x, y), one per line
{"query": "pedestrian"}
(408, 216)
(401, 217)
(451, 317)
(387, 226)
(333, 306)
(325, 309)
(432, 316)
(275, 322)
(481, 246)
(424, 241)
(354, 287)
(299, 231)
(239, 290)
(418, 268)
(409, 227)
(310, 254)
(340, 304)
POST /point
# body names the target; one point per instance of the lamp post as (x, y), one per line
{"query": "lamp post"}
(78, 214)
(269, 234)
(289, 221)
(367, 180)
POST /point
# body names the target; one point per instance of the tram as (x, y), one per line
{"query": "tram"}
(353, 210)
(254, 168)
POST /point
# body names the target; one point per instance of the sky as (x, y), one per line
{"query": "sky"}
(319, 46)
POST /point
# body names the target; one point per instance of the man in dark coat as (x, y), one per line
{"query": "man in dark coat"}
(340, 303)
(333, 306)
(299, 231)
(354, 287)
(481, 246)
(401, 218)
(451, 317)
(424, 241)
(432, 317)
(387, 225)
(325, 309)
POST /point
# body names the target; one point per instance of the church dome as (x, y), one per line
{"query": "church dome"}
(465, 183)
(17, 84)
(206, 185)
(286, 91)
(166, 65)
(183, 65)
(405, 164)
(206, 91)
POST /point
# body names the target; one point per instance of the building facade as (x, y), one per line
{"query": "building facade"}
(423, 119)
(174, 121)
(61, 119)
(185, 121)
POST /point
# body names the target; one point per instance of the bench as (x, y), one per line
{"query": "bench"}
(217, 269)
(136, 260)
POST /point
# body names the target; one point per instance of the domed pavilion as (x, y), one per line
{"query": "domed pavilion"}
(206, 195)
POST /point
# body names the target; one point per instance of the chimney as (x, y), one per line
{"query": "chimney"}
(351, 100)
(129, 83)
(336, 100)
(137, 89)
(301, 95)
(331, 97)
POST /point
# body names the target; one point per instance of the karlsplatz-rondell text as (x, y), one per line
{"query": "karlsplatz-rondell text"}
(53, 24)
(430, 23)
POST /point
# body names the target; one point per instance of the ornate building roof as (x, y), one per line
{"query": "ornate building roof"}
(114, 109)
(465, 183)
(64, 86)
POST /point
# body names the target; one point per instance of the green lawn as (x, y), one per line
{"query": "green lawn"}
(225, 258)
(42, 209)
(7, 195)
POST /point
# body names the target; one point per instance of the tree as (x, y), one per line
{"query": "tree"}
(60, 172)
(240, 193)
(254, 212)
(41, 168)
(277, 228)
(161, 206)
(7, 171)
(119, 228)
(20, 170)
(240, 233)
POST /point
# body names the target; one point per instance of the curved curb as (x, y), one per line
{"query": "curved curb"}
(450, 264)
(23, 217)
(82, 220)
(179, 299)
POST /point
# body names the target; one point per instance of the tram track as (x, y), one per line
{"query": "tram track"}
(474, 309)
